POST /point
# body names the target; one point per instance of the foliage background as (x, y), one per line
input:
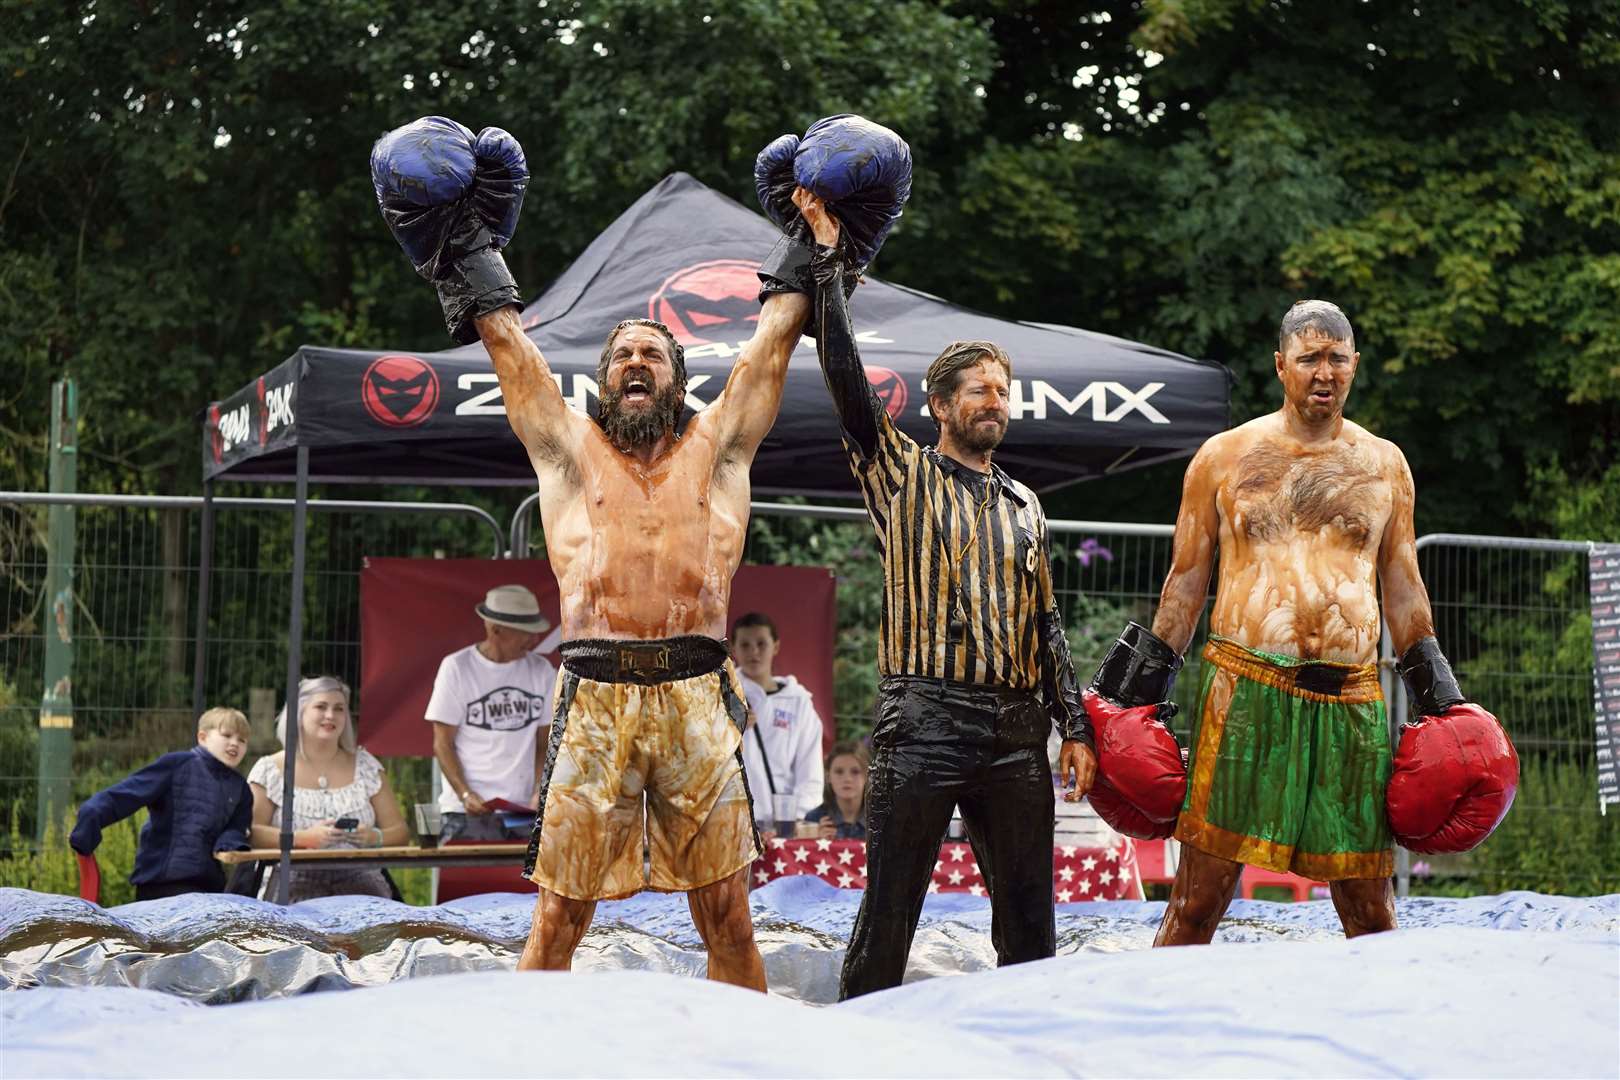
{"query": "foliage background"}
(185, 196)
(184, 199)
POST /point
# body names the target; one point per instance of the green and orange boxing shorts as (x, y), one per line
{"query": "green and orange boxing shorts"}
(1290, 762)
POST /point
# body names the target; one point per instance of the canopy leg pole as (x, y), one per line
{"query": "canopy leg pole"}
(295, 646)
(205, 572)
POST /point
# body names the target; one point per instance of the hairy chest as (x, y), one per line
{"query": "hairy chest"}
(672, 508)
(1277, 493)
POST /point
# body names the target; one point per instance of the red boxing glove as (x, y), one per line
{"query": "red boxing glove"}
(1455, 770)
(1139, 763)
(1454, 780)
(1141, 779)
(1124, 818)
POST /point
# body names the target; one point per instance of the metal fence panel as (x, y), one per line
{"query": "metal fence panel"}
(1515, 618)
(1513, 615)
(134, 623)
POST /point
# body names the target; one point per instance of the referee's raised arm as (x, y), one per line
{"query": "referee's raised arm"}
(859, 410)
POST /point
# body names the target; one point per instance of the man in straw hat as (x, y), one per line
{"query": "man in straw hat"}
(490, 711)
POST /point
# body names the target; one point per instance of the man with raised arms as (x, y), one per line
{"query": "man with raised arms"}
(644, 529)
(1291, 758)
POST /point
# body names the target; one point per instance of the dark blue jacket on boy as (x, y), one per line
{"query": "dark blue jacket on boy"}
(197, 805)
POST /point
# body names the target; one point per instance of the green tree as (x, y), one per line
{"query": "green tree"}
(186, 196)
(1179, 172)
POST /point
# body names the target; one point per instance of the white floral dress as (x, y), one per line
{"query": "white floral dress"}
(314, 805)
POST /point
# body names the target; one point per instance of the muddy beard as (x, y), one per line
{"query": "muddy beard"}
(971, 438)
(630, 430)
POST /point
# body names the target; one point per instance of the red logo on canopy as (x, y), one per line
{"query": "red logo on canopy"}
(215, 439)
(891, 390)
(709, 301)
(399, 391)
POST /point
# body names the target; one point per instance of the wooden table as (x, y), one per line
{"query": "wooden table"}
(350, 858)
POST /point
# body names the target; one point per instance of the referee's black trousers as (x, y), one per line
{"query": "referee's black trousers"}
(938, 745)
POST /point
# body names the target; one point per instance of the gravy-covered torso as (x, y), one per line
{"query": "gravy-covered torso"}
(1300, 530)
(644, 551)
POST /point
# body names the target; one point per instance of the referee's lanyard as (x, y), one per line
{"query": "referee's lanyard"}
(956, 629)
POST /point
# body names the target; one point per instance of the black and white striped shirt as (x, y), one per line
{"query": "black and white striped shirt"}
(965, 564)
(967, 571)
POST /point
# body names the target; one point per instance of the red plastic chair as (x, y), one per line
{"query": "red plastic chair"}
(1255, 877)
(1153, 869)
(89, 879)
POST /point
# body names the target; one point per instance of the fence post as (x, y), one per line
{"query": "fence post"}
(1395, 702)
(205, 573)
(56, 703)
(293, 727)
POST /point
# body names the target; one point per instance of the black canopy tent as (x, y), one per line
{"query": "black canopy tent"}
(1083, 404)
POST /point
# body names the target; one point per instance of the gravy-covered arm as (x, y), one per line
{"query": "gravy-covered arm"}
(1077, 758)
(1130, 699)
(534, 406)
(1406, 601)
(1059, 686)
(1192, 555)
(747, 407)
(753, 394)
(1455, 770)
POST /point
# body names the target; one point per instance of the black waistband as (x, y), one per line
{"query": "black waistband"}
(923, 684)
(644, 662)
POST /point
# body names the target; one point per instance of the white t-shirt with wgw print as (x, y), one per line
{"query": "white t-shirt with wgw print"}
(502, 713)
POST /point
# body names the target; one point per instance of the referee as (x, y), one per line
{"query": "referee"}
(973, 658)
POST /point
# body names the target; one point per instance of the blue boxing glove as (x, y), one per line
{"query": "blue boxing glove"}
(787, 267)
(863, 172)
(861, 169)
(774, 182)
(452, 201)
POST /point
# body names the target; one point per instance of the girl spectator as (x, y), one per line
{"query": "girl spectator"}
(842, 813)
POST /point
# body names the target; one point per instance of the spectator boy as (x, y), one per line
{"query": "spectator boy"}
(782, 749)
(197, 804)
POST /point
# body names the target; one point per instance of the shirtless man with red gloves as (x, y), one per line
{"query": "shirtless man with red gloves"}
(1291, 766)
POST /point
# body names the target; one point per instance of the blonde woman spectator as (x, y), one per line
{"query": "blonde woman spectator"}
(340, 796)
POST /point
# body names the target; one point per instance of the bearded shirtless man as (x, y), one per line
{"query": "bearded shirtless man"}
(1312, 515)
(644, 528)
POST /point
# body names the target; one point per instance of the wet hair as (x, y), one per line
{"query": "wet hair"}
(677, 355)
(308, 688)
(945, 373)
(221, 718)
(1322, 316)
(755, 618)
(846, 748)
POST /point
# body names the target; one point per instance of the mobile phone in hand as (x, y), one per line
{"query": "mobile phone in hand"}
(347, 824)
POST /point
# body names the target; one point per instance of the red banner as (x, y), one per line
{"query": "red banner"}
(415, 612)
